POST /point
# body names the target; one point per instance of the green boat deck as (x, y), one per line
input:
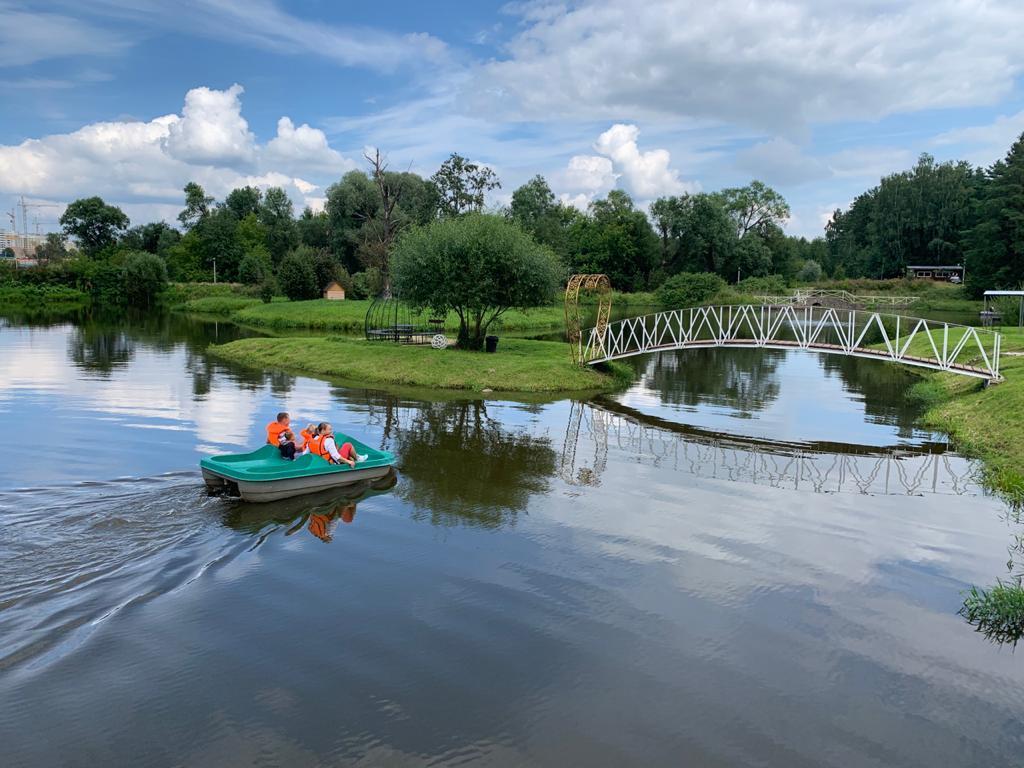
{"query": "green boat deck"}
(266, 463)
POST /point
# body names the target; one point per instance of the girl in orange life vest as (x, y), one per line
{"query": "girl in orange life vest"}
(275, 428)
(323, 445)
(307, 436)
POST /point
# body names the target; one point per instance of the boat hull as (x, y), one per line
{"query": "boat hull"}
(286, 488)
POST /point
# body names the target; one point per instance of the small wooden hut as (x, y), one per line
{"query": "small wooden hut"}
(334, 291)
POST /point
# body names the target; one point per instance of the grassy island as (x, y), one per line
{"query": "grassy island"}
(518, 366)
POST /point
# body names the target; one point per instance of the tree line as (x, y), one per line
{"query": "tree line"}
(934, 213)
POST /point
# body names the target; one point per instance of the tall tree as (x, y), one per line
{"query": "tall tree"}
(53, 250)
(615, 239)
(754, 207)
(535, 209)
(912, 217)
(197, 205)
(462, 184)
(350, 203)
(477, 266)
(314, 228)
(276, 215)
(93, 223)
(243, 201)
(995, 244)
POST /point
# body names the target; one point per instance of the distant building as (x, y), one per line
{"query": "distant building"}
(24, 246)
(936, 272)
(334, 291)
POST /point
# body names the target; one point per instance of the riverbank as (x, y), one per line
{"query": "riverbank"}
(984, 422)
(520, 365)
(42, 296)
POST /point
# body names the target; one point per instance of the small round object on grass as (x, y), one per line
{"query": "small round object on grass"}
(440, 341)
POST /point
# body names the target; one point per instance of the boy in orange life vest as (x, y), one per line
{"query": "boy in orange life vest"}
(275, 428)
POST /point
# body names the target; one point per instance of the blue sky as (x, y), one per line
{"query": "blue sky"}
(131, 99)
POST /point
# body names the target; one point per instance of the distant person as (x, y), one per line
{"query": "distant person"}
(275, 428)
(286, 444)
(326, 448)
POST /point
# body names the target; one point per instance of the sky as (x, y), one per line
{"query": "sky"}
(131, 99)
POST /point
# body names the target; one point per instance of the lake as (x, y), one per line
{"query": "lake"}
(749, 557)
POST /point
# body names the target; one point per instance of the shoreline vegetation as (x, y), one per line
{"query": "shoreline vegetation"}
(981, 421)
(519, 366)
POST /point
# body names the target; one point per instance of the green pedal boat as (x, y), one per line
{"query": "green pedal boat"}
(263, 475)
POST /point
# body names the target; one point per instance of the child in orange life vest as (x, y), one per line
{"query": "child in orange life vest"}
(324, 446)
(275, 428)
(307, 436)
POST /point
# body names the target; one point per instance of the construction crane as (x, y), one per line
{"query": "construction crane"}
(24, 218)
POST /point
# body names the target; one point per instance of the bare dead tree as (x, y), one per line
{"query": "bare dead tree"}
(385, 226)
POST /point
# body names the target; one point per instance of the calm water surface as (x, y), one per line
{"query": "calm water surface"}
(748, 558)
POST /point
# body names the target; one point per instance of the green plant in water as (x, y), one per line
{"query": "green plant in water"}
(997, 612)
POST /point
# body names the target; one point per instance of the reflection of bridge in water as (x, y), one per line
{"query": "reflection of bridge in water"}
(820, 467)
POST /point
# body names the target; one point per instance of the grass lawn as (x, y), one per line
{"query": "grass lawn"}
(217, 305)
(519, 365)
(984, 422)
(349, 315)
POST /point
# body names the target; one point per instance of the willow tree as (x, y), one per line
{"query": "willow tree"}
(478, 266)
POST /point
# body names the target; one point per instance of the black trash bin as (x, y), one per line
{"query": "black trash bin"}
(492, 343)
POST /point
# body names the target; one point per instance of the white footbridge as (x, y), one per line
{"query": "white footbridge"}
(915, 341)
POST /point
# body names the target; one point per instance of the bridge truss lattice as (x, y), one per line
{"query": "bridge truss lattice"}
(912, 341)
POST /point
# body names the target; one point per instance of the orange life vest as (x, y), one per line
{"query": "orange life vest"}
(307, 438)
(316, 447)
(274, 430)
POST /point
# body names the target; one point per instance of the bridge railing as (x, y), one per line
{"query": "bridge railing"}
(808, 295)
(861, 333)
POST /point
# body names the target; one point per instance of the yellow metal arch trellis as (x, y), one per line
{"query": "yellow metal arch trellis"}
(599, 285)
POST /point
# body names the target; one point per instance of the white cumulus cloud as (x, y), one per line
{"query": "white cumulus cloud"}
(771, 64)
(212, 128)
(143, 165)
(647, 174)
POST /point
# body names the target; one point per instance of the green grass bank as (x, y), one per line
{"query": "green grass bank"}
(520, 365)
(987, 423)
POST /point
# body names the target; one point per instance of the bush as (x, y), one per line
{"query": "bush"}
(144, 275)
(810, 272)
(689, 288)
(368, 284)
(267, 289)
(254, 267)
(772, 284)
(297, 276)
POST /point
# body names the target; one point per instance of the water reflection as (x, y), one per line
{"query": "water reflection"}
(319, 514)
(820, 467)
(465, 467)
(746, 380)
(740, 391)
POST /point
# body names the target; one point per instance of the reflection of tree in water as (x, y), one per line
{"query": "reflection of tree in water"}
(460, 466)
(744, 379)
(883, 386)
(99, 349)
